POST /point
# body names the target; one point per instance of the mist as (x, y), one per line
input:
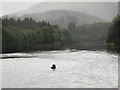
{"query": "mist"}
(103, 10)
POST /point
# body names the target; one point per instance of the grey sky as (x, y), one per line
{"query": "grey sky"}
(96, 9)
(7, 6)
(12, 7)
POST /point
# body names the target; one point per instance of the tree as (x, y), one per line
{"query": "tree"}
(113, 36)
(72, 27)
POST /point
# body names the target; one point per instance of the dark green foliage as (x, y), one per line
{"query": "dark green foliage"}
(71, 26)
(28, 35)
(113, 36)
(95, 32)
(89, 36)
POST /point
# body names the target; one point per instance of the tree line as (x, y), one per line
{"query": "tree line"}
(113, 35)
(29, 35)
(19, 35)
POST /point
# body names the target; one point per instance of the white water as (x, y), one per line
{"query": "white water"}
(79, 69)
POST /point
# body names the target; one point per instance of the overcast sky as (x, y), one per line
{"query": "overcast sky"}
(12, 7)
(8, 7)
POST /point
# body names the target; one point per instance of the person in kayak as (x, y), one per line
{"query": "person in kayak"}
(53, 67)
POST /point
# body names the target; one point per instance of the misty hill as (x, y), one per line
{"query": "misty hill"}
(64, 17)
(103, 10)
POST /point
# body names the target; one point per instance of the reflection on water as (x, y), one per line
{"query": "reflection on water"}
(75, 69)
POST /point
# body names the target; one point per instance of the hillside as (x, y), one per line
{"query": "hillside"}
(64, 17)
(103, 10)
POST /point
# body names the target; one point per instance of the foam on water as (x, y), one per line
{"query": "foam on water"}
(77, 69)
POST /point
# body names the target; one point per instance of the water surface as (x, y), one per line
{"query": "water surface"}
(75, 69)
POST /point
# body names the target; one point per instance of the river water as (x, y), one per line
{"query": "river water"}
(75, 69)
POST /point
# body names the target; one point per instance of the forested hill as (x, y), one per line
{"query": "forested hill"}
(63, 17)
(29, 35)
(104, 10)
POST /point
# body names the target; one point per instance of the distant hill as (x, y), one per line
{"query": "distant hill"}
(103, 10)
(64, 17)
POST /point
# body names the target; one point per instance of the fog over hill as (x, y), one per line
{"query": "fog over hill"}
(103, 10)
(64, 17)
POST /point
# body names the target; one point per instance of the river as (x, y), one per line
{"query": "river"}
(75, 69)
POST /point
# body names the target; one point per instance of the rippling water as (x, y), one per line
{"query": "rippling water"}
(76, 69)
